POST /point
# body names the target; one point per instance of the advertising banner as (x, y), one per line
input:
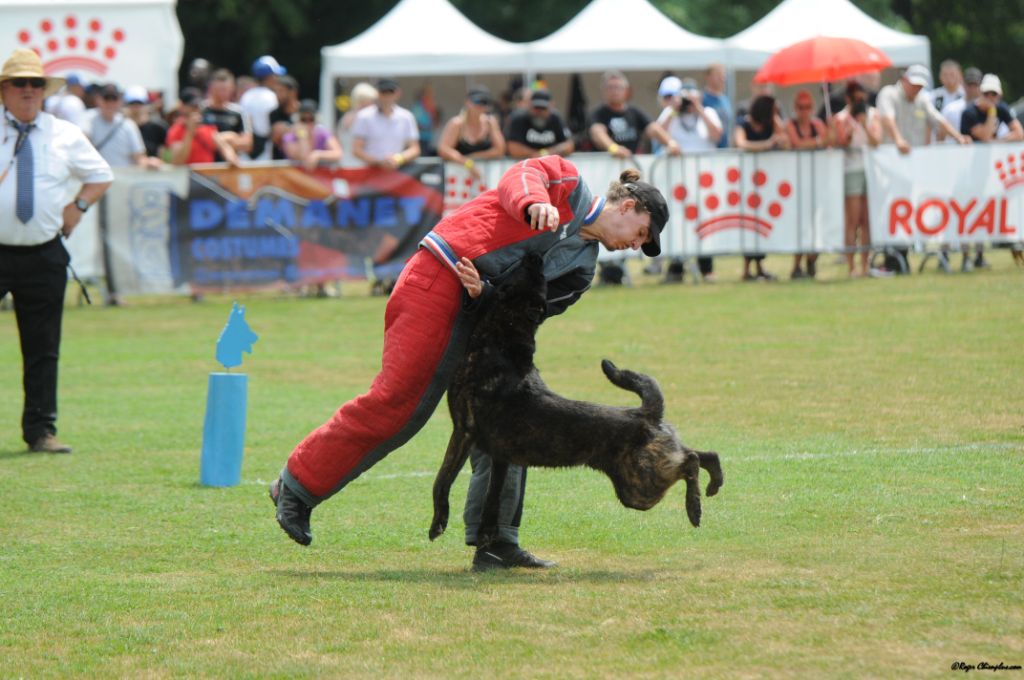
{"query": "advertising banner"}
(216, 227)
(736, 202)
(946, 195)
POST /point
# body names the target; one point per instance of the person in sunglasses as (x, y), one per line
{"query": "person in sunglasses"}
(308, 143)
(40, 157)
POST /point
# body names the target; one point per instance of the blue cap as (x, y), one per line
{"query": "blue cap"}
(266, 66)
(72, 79)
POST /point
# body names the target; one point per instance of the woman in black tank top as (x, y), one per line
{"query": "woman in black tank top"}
(473, 134)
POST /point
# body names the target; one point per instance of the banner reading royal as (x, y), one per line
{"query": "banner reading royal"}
(946, 195)
(264, 226)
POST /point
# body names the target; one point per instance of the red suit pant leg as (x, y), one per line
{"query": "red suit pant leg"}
(422, 343)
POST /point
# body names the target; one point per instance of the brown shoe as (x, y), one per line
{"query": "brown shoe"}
(49, 444)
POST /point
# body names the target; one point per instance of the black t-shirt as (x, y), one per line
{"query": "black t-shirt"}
(228, 119)
(974, 116)
(625, 127)
(522, 129)
(154, 134)
(225, 120)
(279, 115)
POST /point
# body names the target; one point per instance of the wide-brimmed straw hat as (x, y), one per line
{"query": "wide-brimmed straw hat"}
(25, 63)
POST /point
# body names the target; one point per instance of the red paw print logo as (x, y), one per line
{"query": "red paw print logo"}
(738, 205)
(461, 188)
(72, 44)
(1011, 170)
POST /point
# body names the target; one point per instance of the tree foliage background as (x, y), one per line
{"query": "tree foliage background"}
(232, 33)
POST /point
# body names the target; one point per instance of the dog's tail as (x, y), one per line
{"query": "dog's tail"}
(652, 402)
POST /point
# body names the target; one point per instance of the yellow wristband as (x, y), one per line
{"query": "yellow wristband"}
(469, 164)
(398, 158)
(613, 148)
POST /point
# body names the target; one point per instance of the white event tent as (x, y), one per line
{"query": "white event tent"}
(795, 20)
(418, 38)
(630, 35)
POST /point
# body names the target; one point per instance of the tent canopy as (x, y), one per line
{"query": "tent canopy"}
(422, 37)
(795, 20)
(622, 34)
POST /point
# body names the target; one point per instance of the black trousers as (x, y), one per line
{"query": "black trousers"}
(36, 277)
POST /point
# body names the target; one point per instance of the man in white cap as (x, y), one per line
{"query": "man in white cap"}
(908, 114)
(984, 117)
(259, 102)
(987, 118)
(45, 154)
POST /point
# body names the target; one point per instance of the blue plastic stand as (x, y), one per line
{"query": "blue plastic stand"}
(224, 430)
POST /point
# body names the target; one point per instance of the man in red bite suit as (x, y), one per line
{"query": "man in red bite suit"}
(541, 205)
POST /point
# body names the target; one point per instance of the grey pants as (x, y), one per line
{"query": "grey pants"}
(510, 512)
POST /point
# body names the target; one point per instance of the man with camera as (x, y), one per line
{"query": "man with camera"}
(693, 126)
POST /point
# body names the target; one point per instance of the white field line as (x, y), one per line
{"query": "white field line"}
(802, 455)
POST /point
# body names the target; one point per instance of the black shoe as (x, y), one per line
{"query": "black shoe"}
(292, 513)
(507, 556)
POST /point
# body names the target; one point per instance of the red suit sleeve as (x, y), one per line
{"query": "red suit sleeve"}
(550, 179)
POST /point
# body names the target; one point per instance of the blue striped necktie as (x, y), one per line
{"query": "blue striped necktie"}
(25, 196)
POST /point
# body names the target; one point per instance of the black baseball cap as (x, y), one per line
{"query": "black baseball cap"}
(191, 96)
(651, 199)
(479, 95)
(541, 99)
(387, 85)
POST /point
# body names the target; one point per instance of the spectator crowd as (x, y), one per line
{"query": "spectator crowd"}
(261, 116)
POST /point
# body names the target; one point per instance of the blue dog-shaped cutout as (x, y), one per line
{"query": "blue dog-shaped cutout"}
(236, 338)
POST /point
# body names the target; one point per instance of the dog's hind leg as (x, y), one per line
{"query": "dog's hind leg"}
(454, 458)
(488, 532)
(709, 461)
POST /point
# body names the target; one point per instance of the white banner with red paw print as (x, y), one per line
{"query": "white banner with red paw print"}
(735, 202)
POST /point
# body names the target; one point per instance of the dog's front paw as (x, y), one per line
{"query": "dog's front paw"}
(438, 526)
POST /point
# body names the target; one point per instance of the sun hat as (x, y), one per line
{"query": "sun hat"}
(25, 63)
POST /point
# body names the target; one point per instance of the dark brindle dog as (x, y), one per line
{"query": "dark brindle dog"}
(499, 403)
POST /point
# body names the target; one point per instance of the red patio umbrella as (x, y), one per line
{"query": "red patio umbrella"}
(821, 59)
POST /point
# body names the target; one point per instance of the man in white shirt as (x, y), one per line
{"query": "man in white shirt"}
(952, 88)
(693, 126)
(119, 141)
(259, 102)
(45, 154)
(115, 136)
(69, 103)
(908, 114)
(385, 135)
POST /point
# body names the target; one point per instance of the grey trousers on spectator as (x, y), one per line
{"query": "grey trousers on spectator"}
(510, 512)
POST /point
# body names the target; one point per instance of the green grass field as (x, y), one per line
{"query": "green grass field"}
(871, 525)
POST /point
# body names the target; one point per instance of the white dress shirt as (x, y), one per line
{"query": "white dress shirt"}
(60, 152)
